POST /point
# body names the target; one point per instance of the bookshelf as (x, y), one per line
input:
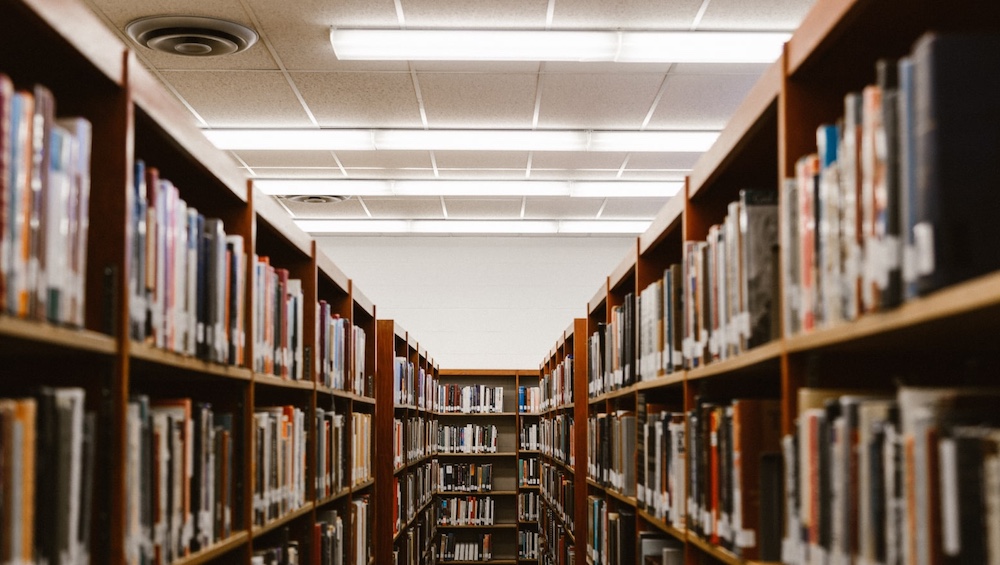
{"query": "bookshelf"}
(938, 339)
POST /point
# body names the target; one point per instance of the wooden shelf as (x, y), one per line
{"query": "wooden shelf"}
(497, 454)
(558, 463)
(476, 414)
(451, 493)
(493, 527)
(493, 561)
(26, 336)
(362, 485)
(149, 354)
(963, 305)
(667, 220)
(722, 554)
(215, 550)
(278, 522)
(630, 500)
(662, 526)
(333, 497)
(262, 379)
(671, 379)
(754, 358)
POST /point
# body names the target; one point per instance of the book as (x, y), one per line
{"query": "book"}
(956, 208)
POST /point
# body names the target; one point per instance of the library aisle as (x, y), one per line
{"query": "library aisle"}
(795, 363)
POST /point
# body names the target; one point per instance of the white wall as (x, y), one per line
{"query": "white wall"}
(480, 302)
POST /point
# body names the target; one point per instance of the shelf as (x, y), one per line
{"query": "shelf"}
(480, 414)
(564, 466)
(532, 414)
(493, 527)
(26, 336)
(753, 359)
(278, 522)
(528, 487)
(362, 485)
(667, 220)
(630, 500)
(960, 306)
(215, 550)
(529, 452)
(668, 379)
(497, 454)
(493, 561)
(269, 380)
(421, 460)
(527, 522)
(594, 483)
(403, 407)
(333, 497)
(722, 554)
(451, 493)
(662, 526)
(149, 354)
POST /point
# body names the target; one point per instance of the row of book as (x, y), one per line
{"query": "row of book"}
(413, 490)
(179, 478)
(330, 539)
(896, 478)
(333, 463)
(278, 317)
(558, 547)
(656, 548)
(280, 462)
(557, 491)
(187, 278)
(557, 386)
(529, 399)
(528, 472)
(470, 438)
(413, 386)
(610, 534)
(416, 545)
(362, 519)
(44, 207)
(528, 437)
(287, 552)
(873, 219)
(661, 329)
(332, 349)
(470, 399)
(528, 545)
(730, 282)
(734, 469)
(466, 511)
(527, 506)
(422, 437)
(661, 457)
(465, 477)
(611, 448)
(612, 349)
(451, 549)
(47, 449)
(557, 438)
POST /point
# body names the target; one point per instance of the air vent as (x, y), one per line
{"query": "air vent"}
(191, 36)
(316, 199)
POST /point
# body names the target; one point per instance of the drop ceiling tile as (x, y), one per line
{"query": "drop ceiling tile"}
(466, 14)
(480, 174)
(755, 69)
(288, 158)
(632, 208)
(481, 159)
(654, 174)
(379, 173)
(633, 14)
(380, 100)
(240, 98)
(300, 31)
(575, 67)
(385, 159)
(700, 101)
(294, 173)
(349, 209)
(574, 174)
(682, 161)
(755, 14)
(576, 160)
(561, 208)
(483, 208)
(476, 66)
(478, 100)
(596, 101)
(399, 208)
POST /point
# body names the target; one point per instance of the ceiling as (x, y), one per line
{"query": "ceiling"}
(291, 79)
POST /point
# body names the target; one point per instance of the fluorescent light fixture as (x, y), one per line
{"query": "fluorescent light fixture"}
(613, 189)
(460, 140)
(556, 45)
(471, 227)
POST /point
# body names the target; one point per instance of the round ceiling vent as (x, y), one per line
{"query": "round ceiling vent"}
(316, 199)
(191, 36)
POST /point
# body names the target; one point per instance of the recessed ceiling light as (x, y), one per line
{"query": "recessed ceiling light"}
(556, 45)
(473, 227)
(460, 140)
(588, 189)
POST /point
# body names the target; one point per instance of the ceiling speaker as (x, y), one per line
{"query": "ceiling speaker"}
(191, 36)
(316, 198)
